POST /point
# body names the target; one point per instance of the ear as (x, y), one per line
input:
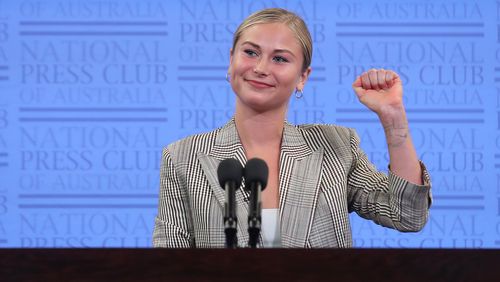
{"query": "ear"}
(230, 59)
(303, 79)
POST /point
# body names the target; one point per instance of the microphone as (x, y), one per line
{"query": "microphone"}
(230, 173)
(256, 173)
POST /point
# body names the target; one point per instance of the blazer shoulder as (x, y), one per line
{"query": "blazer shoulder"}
(187, 146)
(335, 135)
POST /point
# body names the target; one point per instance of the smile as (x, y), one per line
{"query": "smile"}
(258, 84)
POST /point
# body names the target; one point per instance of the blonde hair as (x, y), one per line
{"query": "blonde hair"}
(278, 15)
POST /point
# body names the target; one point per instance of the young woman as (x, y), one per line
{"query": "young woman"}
(317, 173)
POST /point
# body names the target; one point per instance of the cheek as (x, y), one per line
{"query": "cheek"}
(289, 78)
(241, 64)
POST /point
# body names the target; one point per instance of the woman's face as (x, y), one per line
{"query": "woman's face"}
(266, 67)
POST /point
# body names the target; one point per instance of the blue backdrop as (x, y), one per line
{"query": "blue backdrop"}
(90, 91)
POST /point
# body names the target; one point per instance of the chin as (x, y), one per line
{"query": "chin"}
(257, 104)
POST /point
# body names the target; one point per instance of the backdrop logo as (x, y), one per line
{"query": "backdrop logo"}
(91, 92)
(5, 125)
(92, 109)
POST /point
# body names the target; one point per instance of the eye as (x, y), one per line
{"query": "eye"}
(280, 59)
(250, 52)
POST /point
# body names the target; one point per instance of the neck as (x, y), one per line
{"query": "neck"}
(259, 129)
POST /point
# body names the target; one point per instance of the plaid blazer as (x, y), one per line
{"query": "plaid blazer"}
(323, 176)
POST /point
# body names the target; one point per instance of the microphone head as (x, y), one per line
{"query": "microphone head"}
(230, 170)
(256, 171)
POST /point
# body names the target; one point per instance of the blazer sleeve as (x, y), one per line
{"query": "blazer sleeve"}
(173, 222)
(388, 200)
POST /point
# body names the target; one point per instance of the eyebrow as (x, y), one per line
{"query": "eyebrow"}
(275, 50)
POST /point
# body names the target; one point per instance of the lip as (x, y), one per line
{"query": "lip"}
(259, 84)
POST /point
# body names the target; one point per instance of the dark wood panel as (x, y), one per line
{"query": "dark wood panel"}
(249, 265)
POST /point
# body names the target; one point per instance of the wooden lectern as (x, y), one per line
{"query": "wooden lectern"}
(421, 265)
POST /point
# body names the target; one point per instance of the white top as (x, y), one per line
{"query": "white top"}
(270, 229)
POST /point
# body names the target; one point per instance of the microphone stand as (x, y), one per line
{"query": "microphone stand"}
(230, 219)
(256, 173)
(254, 215)
(229, 174)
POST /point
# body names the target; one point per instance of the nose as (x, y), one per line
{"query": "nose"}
(260, 67)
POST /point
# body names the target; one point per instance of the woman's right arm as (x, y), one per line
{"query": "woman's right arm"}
(173, 226)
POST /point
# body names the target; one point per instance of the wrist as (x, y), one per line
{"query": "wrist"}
(393, 116)
(395, 126)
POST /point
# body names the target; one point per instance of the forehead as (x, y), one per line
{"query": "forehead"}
(272, 36)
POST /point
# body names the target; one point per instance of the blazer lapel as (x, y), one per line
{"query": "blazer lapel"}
(227, 145)
(300, 172)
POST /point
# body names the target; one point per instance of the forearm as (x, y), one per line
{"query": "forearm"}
(382, 92)
(403, 157)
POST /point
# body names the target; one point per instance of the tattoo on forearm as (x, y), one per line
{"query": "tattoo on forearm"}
(396, 135)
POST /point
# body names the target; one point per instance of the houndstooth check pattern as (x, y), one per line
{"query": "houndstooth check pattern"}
(324, 175)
